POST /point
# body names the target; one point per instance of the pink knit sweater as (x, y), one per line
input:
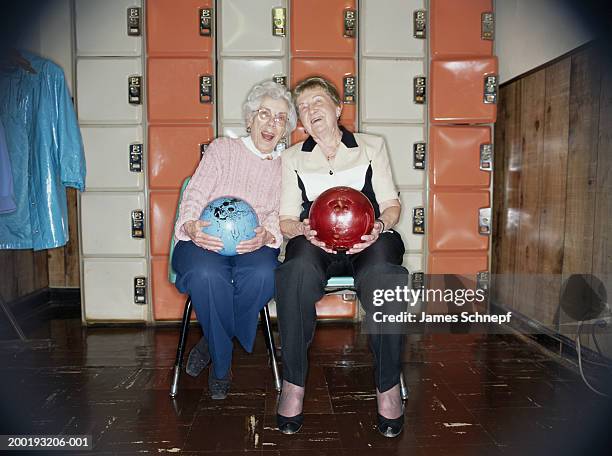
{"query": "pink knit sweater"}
(228, 168)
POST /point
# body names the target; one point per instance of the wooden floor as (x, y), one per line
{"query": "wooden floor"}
(469, 395)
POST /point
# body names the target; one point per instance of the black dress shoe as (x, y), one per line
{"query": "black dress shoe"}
(199, 357)
(218, 387)
(289, 424)
(389, 427)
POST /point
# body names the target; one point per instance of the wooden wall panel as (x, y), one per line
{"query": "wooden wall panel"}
(23, 272)
(532, 146)
(64, 261)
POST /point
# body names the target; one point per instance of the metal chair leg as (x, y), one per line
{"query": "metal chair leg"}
(265, 321)
(403, 388)
(180, 350)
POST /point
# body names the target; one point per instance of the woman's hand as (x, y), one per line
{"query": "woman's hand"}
(193, 228)
(368, 239)
(262, 237)
(311, 235)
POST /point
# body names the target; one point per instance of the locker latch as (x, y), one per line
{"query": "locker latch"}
(136, 158)
(280, 79)
(419, 83)
(138, 224)
(350, 89)
(490, 89)
(486, 157)
(419, 151)
(484, 221)
(206, 89)
(203, 147)
(140, 290)
(482, 280)
(487, 26)
(418, 220)
(134, 22)
(206, 19)
(135, 90)
(279, 22)
(349, 297)
(419, 19)
(418, 280)
(350, 23)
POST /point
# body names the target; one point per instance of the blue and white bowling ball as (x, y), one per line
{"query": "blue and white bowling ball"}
(231, 219)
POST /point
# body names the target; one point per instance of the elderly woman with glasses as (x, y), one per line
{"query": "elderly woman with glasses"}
(228, 292)
(332, 156)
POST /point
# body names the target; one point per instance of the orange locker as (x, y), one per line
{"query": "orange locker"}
(334, 306)
(459, 221)
(460, 156)
(464, 91)
(464, 263)
(336, 71)
(168, 303)
(323, 28)
(162, 211)
(180, 90)
(461, 28)
(174, 153)
(179, 28)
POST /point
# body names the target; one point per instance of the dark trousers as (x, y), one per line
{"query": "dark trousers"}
(227, 295)
(300, 283)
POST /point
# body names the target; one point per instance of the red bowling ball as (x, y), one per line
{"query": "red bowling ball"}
(340, 216)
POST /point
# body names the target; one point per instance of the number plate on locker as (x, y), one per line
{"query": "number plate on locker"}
(133, 22)
(135, 90)
(419, 19)
(140, 290)
(350, 23)
(418, 220)
(419, 150)
(206, 22)
(206, 89)
(138, 224)
(350, 89)
(136, 158)
(420, 84)
(278, 22)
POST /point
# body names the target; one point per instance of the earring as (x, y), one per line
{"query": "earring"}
(248, 130)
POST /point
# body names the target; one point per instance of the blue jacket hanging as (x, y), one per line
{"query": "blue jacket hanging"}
(7, 197)
(46, 154)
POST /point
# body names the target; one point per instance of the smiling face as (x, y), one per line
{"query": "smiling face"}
(267, 133)
(318, 112)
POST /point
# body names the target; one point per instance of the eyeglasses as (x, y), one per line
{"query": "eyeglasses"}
(279, 120)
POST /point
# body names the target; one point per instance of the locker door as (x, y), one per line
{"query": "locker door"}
(458, 91)
(400, 140)
(106, 224)
(457, 28)
(464, 263)
(168, 303)
(247, 29)
(108, 289)
(338, 306)
(174, 153)
(233, 131)
(332, 69)
(454, 221)
(107, 153)
(103, 88)
(387, 28)
(102, 27)
(455, 156)
(239, 76)
(318, 28)
(410, 199)
(162, 211)
(388, 93)
(179, 28)
(174, 90)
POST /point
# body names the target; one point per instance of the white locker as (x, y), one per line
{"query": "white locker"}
(233, 131)
(413, 262)
(102, 28)
(102, 91)
(106, 224)
(109, 292)
(400, 140)
(387, 91)
(107, 153)
(410, 199)
(387, 28)
(246, 28)
(238, 76)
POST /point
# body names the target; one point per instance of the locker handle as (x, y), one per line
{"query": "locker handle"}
(419, 27)
(349, 95)
(418, 220)
(419, 89)
(419, 154)
(490, 89)
(350, 23)
(206, 21)
(486, 157)
(136, 158)
(484, 221)
(279, 22)
(134, 23)
(135, 90)
(206, 89)
(140, 290)
(487, 26)
(138, 224)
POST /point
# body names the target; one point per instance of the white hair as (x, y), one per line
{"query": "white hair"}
(272, 90)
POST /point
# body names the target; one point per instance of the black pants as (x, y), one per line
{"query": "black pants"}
(300, 283)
